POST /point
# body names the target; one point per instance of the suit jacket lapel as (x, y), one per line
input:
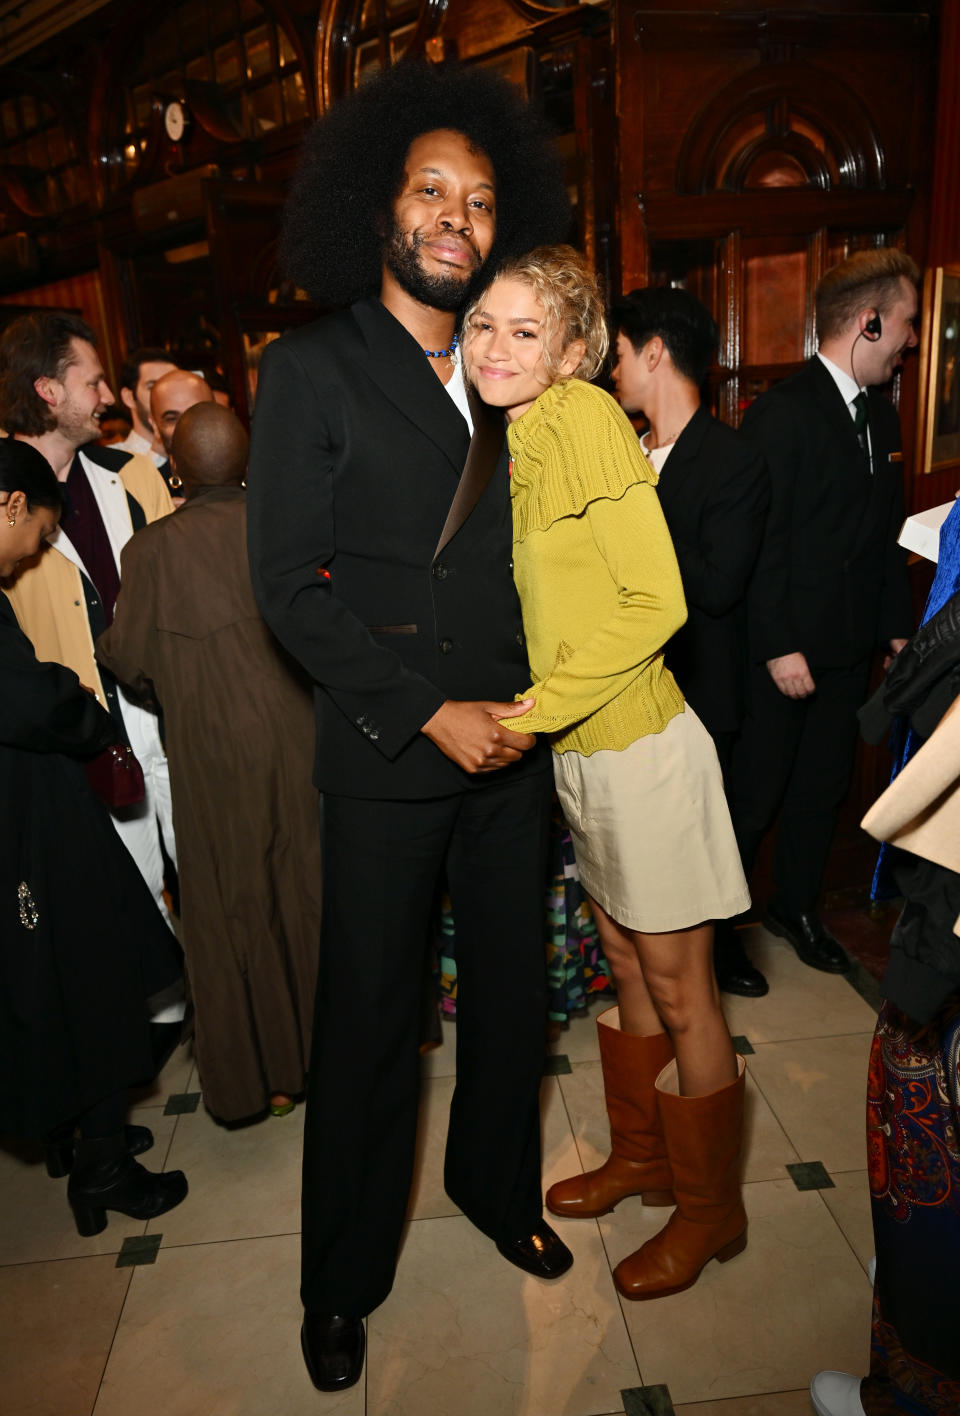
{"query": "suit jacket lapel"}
(836, 411)
(403, 374)
(683, 459)
(482, 458)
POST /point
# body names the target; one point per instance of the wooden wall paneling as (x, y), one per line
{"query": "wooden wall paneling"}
(243, 225)
(728, 316)
(943, 248)
(944, 245)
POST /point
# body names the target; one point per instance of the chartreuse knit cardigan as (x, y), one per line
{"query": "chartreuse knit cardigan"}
(595, 568)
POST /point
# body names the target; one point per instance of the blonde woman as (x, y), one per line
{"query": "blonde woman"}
(636, 771)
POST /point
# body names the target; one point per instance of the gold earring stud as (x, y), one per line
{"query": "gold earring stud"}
(12, 520)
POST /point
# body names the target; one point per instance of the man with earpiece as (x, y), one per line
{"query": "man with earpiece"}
(830, 585)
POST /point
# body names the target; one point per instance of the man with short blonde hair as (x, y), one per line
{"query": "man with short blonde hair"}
(831, 583)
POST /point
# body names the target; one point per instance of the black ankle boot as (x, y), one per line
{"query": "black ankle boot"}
(106, 1177)
(59, 1148)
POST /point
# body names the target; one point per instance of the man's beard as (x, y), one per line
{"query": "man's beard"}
(76, 427)
(440, 292)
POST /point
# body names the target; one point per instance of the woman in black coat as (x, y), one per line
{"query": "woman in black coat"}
(82, 944)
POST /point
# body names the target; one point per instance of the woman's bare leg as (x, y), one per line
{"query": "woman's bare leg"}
(637, 1012)
(667, 982)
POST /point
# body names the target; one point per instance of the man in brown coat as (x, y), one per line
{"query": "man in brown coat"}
(239, 733)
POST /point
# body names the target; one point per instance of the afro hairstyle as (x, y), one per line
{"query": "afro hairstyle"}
(352, 165)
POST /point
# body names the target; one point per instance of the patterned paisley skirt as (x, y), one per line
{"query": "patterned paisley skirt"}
(913, 1144)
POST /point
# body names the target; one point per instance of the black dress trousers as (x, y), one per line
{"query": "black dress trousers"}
(383, 862)
(795, 756)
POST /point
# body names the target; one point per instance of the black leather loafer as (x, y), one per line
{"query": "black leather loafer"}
(814, 945)
(744, 980)
(333, 1350)
(542, 1253)
(734, 971)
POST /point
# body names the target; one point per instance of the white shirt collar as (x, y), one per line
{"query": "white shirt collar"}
(849, 388)
(457, 391)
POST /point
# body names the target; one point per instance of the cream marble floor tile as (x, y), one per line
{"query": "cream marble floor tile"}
(794, 1302)
(578, 1041)
(466, 1334)
(560, 1156)
(243, 1181)
(213, 1330)
(36, 1222)
(428, 1199)
(802, 1002)
(767, 1149)
(178, 1075)
(780, 1403)
(817, 1090)
(58, 1324)
(849, 1203)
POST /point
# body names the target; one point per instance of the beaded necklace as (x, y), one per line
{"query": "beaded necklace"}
(444, 353)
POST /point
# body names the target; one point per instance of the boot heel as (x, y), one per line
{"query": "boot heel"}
(90, 1219)
(655, 1199)
(59, 1158)
(731, 1250)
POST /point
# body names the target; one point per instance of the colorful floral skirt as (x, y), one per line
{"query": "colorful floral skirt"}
(576, 967)
(913, 1145)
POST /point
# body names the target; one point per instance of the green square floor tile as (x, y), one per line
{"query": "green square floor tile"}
(647, 1401)
(742, 1045)
(810, 1175)
(557, 1065)
(182, 1103)
(139, 1249)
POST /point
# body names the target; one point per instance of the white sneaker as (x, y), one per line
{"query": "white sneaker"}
(836, 1394)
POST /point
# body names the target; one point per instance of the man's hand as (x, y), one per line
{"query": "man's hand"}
(791, 675)
(469, 734)
(895, 646)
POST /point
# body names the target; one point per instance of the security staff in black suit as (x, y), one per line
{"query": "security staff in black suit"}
(714, 491)
(831, 583)
(380, 542)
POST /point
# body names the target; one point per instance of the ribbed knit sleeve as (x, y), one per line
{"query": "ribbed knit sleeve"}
(591, 682)
(573, 446)
(595, 567)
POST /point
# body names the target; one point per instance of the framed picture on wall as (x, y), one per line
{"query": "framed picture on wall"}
(943, 379)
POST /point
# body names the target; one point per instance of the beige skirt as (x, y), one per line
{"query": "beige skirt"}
(651, 829)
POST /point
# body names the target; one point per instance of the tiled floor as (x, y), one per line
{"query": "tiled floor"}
(210, 1328)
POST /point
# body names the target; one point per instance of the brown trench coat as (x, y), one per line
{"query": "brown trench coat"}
(187, 635)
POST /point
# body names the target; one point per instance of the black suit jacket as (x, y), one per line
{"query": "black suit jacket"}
(714, 491)
(831, 581)
(391, 589)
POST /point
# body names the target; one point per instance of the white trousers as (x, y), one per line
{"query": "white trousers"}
(142, 827)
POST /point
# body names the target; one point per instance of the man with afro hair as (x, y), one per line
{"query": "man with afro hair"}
(380, 541)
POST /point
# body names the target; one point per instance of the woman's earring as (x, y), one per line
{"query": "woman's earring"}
(12, 520)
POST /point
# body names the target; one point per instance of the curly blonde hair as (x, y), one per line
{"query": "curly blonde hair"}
(572, 304)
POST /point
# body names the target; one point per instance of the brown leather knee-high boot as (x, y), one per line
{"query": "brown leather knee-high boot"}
(638, 1161)
(703, 1136)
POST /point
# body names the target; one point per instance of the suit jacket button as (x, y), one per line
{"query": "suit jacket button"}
(440, 571)
(446, 646)
(373, 734)
(520, 637)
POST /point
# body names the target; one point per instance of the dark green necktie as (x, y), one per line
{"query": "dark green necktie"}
(860, 424)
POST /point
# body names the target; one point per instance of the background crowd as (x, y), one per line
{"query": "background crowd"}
(699, 608)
